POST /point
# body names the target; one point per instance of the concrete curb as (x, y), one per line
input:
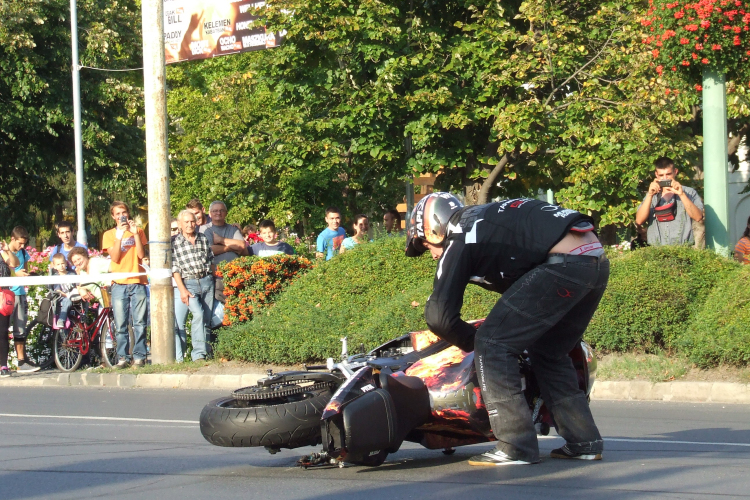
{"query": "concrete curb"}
(634, 390)
(689, 392)
(133, 380)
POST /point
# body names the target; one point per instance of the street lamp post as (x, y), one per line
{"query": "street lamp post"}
(80, 213)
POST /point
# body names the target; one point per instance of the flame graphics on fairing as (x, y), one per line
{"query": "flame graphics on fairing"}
(447, 370)
(425, 338)
(332, 406)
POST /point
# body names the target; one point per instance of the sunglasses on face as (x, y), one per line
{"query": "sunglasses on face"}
(175, 228)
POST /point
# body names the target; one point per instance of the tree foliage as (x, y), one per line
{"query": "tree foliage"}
(502, 99)
(36, 109)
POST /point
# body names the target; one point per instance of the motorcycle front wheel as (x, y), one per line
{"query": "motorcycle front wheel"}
(276, 417)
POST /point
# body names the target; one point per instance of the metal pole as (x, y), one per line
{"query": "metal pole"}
(157, 172)
(550, 197)
(80, 211)
(409, 184)
(715, 158)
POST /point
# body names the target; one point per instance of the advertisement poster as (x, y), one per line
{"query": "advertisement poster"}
(199, 29)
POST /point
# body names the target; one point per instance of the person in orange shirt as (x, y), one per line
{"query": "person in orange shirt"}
(125, 246)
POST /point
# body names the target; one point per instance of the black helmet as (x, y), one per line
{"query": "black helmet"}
(429, 220)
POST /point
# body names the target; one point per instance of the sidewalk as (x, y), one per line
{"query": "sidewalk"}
(634, 390)
(54, 378)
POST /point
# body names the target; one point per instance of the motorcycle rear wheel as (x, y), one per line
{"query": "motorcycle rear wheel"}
(277, 421)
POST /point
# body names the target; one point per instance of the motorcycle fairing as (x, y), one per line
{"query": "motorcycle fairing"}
(380, 420)
(361, 382)
(373, 412)
(457, 407)
(370, 424)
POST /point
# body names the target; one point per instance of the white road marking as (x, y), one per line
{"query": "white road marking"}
(657, 441)
(667, 441)
(165, 421)
(121, 419)
(103, 424)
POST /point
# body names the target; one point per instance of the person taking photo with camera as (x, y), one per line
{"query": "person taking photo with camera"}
(125, 245)
(669, 208)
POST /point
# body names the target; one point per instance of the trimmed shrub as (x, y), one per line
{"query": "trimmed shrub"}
(370, 294)
(253, 282)
(652, 296)
(720, 333)
(658, 300)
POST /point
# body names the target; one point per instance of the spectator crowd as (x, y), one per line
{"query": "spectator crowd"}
(670, 214)
(200, 241)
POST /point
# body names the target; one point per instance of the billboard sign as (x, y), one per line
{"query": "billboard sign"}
(199, 29)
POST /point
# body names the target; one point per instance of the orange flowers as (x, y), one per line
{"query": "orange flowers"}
(252, 282)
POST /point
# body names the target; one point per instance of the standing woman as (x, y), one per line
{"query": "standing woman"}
(742, 248)
(361, 227)
(7, 262)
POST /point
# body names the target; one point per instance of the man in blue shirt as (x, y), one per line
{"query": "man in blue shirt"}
(67, 241)
(19, 238)
(330, 239)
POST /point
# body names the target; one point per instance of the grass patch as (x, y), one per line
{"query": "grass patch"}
(651, 367)
(184, 367)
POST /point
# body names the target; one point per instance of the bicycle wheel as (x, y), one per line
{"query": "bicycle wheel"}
(68, 354)
(108, 342)
(39, 344)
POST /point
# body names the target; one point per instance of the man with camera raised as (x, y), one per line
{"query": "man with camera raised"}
(125, 245)
(669, 207)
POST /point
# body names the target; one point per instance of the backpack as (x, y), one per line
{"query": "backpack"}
(7, 302)
(4, 269)
(47, 310)
(7, 298)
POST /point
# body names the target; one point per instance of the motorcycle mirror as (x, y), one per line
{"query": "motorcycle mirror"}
(344, 348)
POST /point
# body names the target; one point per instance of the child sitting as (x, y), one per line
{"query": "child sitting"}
(269, 244)
(65, 290)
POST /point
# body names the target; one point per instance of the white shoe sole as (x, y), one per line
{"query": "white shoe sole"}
(29, 370)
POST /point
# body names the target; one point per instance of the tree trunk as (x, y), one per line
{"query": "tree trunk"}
(484, 192)
(608, 235)
(58, 213)
(471, 187)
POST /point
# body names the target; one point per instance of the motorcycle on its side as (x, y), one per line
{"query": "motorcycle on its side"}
(415, 388)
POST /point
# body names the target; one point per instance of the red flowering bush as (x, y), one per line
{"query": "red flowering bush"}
(689, 37)
(252, 282)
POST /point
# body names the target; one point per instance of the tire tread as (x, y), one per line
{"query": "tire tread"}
(288, 425)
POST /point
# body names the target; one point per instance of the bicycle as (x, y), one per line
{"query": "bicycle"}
(71, 344)
(39, 344)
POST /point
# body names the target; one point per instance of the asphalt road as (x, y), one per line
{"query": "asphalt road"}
(146, 444)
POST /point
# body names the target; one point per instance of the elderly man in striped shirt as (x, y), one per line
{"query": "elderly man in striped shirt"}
(192, 269)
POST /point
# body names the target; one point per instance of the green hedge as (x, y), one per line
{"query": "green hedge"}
(720, 333)
(369, 294)
(668, 299)
(652, 296)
